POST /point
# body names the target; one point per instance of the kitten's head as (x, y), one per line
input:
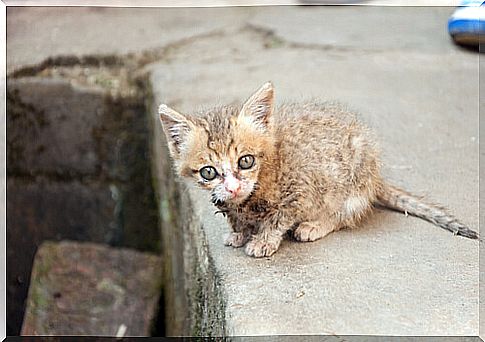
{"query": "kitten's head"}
(223, 150)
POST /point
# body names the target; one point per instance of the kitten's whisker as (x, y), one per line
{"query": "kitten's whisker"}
(223, 212)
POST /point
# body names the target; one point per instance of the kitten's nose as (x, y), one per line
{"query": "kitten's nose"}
(232, 185)
(233, 189)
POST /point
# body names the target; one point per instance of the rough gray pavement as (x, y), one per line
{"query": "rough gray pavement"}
(396, 275)
(102, 30)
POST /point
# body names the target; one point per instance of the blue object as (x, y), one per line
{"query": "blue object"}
(467, 23)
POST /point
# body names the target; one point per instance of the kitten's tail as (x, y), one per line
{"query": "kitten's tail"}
(397, 199)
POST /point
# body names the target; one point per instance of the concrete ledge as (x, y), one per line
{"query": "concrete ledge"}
(396, 275)
(380, 280)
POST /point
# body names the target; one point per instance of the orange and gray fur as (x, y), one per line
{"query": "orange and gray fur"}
(307, 168)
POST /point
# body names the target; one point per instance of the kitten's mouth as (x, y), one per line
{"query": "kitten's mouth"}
(241, 197)
(236, 198)
(235, 195)
(233, 198)
(244, 196)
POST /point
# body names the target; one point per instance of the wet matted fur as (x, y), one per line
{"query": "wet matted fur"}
(312, 168)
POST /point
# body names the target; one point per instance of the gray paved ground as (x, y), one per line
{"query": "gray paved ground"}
(35, 33)
(397, 275)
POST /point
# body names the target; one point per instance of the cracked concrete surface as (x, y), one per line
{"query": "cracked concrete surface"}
(396, 275)
(102, 30)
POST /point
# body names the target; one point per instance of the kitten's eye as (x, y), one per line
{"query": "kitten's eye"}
(246, 162)
(208, 172)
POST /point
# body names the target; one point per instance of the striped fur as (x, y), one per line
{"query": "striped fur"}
(397, 199)
(316, 170)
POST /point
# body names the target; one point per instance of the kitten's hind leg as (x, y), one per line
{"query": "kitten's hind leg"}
(314, 230)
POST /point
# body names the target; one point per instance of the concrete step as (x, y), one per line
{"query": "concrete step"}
(395, 275)
(92, 289)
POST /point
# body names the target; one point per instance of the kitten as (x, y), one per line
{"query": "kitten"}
(310, 168)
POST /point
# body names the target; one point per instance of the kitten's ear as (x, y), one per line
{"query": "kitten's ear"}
(259, 107)
(176, 127)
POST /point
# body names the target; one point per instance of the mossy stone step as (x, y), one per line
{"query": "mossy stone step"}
(92, 289)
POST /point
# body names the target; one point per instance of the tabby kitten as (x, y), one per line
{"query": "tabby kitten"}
(310, 168)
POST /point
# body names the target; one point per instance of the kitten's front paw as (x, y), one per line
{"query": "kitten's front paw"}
(260, 248)
(236, 240)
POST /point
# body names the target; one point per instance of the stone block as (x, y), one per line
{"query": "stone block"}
(90, 289)
(55, 211)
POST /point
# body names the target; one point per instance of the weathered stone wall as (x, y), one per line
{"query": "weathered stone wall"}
(77, 168)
